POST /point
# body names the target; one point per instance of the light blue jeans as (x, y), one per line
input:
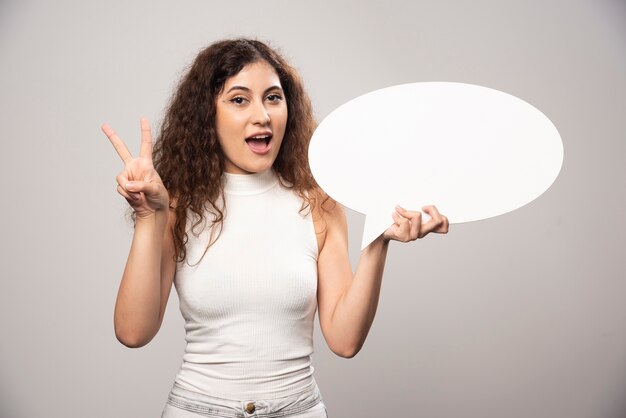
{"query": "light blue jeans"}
(182, 403)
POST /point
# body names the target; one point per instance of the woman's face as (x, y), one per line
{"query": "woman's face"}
(250, 119)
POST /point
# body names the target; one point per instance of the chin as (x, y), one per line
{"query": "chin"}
(258, 168)
(264, 168)
(265, 165)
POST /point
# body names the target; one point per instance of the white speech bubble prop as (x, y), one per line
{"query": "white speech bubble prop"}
(472, 151)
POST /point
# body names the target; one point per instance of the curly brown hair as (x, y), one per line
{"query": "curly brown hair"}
(187, 154)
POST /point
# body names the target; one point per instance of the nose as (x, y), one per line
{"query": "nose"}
(260, 115)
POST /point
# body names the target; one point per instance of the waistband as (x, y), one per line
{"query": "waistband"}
(212, 406)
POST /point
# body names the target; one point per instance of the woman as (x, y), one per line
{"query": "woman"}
(230, 213)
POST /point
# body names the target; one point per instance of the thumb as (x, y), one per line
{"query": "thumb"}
(148, 187)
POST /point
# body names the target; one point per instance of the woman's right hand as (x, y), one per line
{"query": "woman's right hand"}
(139, 182)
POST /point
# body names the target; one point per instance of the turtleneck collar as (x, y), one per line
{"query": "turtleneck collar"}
(249, 184)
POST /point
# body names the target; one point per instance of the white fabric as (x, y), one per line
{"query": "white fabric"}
(249, 304)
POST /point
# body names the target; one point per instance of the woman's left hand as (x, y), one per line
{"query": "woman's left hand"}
(408, 224)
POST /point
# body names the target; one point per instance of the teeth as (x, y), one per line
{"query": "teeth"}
(260, 137)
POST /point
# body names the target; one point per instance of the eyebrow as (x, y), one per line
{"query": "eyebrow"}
(275, 87)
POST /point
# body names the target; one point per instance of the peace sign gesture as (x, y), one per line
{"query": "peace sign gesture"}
(139, 182)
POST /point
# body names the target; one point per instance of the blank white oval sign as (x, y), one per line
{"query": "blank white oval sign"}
(472, 151)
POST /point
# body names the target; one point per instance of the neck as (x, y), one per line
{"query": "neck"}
(249, 184)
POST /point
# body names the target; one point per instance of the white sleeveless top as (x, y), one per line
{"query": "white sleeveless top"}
(249, 304)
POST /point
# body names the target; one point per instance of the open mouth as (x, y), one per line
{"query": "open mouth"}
(259, 144)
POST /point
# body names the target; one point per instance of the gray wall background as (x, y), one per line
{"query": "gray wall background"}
(522, 315)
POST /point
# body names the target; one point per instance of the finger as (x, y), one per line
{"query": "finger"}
(446, 225)
(415, 220)
(436, 220)
(396, 218)
(403, 229)
(400, 219)
(146, 139)
(149, 188)
(118, 144)
(122, 180)
(127, 195)
(123, 183)
(407, 213)
(432, 211)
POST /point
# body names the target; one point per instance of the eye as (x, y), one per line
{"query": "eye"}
(274, 98)
(238, 100)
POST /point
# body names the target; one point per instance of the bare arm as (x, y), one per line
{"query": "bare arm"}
(147, 280)
(347, 303)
